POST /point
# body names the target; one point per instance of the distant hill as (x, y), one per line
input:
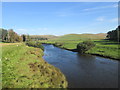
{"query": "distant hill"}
(82, 36)
(72, 36)
(43, 36)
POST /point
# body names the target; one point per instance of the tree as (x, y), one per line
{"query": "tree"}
(13, 37)
(3, 34)
(9, 36)
(85, 46)
(23, 37)
(114, 34)
(26, 38)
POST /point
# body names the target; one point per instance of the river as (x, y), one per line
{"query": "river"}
(83, 71)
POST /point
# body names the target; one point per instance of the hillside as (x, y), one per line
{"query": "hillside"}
(43, 36)
(82, 36)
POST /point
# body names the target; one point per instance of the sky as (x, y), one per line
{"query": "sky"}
(59, 18)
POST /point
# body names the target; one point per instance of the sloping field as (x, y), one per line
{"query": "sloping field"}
(24, 67)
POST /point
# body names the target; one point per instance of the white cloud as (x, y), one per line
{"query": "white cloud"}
(111, 20)
(102, 7)
(101, 19)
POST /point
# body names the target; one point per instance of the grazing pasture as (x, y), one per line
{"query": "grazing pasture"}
(24, 67)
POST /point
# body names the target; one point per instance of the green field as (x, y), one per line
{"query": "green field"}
(105, 48)
(24, 67)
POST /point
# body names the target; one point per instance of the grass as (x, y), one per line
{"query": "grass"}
(105, 48)
(105, 51)
(24, 67)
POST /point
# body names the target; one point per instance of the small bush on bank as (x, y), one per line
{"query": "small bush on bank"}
(35, 44)
(85, 46)
(59, 44)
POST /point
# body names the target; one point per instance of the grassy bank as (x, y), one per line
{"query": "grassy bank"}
(104, 48)
(24, 67)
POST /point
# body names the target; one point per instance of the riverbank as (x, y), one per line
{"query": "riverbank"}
(104, 48)
(24, 67)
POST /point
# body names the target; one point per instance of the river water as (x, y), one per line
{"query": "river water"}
(83, 71)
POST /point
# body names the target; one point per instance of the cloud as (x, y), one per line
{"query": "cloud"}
(102, 7)
(101, 19)
(110, 20)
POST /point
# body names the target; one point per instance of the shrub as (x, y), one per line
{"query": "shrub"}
(35, 44)
(85, 46)
(59, 44)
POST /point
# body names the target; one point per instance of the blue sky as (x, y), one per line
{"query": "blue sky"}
(59, 18)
